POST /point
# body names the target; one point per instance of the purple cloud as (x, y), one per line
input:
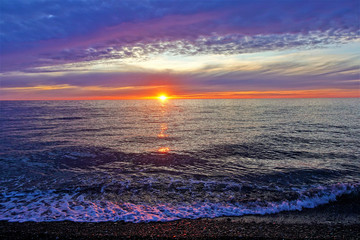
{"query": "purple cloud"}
(41, 33)
(58, 43)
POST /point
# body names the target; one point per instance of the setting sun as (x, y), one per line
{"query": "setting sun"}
(163, 97)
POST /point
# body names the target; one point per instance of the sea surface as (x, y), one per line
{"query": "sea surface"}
(152, 160)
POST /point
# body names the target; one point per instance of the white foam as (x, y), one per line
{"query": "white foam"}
(50, 206)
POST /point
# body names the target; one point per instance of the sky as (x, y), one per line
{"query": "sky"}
(87, 49)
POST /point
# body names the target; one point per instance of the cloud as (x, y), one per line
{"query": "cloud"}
(35, 20)
(111, 48)
(307, 72)
(225, 45)
(40, 33)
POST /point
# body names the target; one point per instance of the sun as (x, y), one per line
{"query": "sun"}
(163, 97)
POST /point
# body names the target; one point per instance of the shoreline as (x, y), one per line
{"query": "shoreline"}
(180, 229)
(336, 220)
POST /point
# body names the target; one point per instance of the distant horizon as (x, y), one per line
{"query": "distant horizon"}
(154, 98)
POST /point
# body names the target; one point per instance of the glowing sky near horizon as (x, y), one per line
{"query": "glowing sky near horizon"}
(191, 49)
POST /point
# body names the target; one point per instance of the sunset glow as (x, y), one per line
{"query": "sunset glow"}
(147, 119)
(222, 49)
(163, 97)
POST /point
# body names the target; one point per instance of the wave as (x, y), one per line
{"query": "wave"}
(51, 205)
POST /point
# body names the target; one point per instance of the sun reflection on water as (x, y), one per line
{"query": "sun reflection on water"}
(163, 150)
(162, 135)
(163, 128)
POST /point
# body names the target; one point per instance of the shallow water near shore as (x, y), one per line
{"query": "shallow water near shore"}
(141, 161)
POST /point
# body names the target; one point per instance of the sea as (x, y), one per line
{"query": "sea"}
(152, 160)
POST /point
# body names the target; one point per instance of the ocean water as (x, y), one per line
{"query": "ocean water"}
(152, 160)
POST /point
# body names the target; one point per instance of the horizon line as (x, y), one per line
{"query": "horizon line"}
(178, 98)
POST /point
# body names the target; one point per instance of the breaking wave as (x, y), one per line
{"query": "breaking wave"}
(54, 206)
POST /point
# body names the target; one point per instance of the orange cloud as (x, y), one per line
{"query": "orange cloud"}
(315, 93)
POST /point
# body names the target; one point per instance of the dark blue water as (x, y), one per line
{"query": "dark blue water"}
(163, 160)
